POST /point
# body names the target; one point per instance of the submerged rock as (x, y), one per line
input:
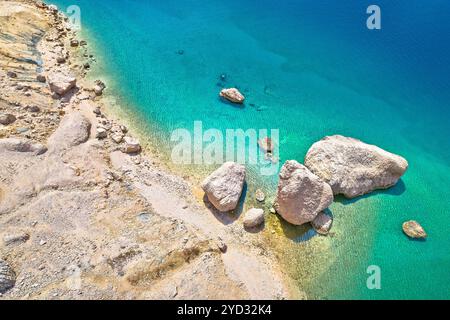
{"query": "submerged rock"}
(99, 87)
(301, 195)
(322, 223)
(7, 277)
(352, 167)
(232, 95)
(253, 218)
(7, 119)
(414, 230)
(267, 144)
(224, 186)
(259, 195)
(61, 83)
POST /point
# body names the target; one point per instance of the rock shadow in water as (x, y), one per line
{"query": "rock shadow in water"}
(396, 190)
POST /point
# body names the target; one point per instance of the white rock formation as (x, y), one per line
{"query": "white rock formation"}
(224, 186)
(232, 95)
(352, 167)
(301, 195)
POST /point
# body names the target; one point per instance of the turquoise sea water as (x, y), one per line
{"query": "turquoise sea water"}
(309, 69)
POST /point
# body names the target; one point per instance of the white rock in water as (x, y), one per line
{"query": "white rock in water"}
(414, 230)
(61, 83)
(253, 218)
(352, 167)
(322, 223)
(224, 186)
(301, 195)
(232, 95)
(7, 277)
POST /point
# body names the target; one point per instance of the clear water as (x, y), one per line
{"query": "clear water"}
(310, 69)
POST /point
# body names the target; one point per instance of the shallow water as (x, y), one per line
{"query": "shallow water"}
(309, 69)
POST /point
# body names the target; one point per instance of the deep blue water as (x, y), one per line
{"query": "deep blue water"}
(309, 69)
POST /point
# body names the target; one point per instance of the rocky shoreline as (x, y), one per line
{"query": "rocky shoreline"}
(84, 212)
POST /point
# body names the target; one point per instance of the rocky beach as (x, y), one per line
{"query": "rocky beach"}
(84, 212)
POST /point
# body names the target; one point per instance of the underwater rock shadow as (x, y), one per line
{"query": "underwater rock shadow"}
(239, 106)
(396, 190)
(230, 217)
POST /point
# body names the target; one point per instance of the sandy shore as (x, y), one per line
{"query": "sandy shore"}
(80, 218)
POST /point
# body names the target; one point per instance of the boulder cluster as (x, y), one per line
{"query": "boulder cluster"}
(334, 165)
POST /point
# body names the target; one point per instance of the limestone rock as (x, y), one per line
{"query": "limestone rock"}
(301, 195)
(322, 223)
(101, 133)
(253, 218)
(73, 130)
(7, 277)
(6, 118)
(21, 145)
(61, 83)
(232, 95)
(352, 167)
(414, 230)
(224, 186)
(131, 145)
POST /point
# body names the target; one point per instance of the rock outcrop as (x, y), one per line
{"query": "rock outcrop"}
(61, 83)
(414, 230)
(224, 186)
(232, 95)
(253, 218)
(301, 195)
(73, 130)
(352, 167)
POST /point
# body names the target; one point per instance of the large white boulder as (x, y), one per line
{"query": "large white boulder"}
(61, 83)
(352, 167)
(301, 195)
(224, 186)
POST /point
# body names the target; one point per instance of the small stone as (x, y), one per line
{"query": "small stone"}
(131, 145)
(259, 195)
(232, 95)
(222, 246)
(42, 242)
(97, 111)
(253, 218)
(117, 137)
(414, 230)
(322, 223)
(273, 211)
(60, 59)
(74, 43)
(16, 238)
(41, 78)
(101, 133)
(7, 119)
(33, 109)
(11, 74)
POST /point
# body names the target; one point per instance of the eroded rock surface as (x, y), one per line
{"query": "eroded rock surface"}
(352, 167)
(301, 195)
